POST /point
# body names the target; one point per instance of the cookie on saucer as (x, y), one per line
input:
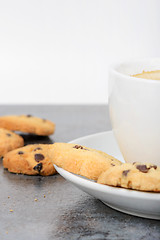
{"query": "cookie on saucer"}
(138, 176)
(33, 159)
(82, 160)
(28, 124)
(9, 141)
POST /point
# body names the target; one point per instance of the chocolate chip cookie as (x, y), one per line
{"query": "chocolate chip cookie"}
(82, 160)
(33, 159)
(138, 176)
(28, 124)
(9, 141)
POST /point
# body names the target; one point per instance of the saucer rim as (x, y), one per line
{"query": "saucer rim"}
(105, 188)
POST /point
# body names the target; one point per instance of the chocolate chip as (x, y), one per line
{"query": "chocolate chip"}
(8, 134)
(28, 115)
(38, 148)
(44, 120)
(80, 147)
(1, 158)
(142, 168)
(125, 172)
(38, 157)
(153, 166)
(112, 164)
(38, 167)
(20, 152)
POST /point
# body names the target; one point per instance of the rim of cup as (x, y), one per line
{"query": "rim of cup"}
(114, 69)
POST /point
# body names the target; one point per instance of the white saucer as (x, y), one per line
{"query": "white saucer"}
(142, 204)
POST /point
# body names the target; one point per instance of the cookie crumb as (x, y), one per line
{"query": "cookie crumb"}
(35, 199)
(8, 196)
(6, 232)
(11, 210)
(44, 195)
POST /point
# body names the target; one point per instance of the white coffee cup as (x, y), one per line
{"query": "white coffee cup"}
(134, 106)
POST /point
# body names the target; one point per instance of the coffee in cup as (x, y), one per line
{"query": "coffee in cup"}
(154, 75)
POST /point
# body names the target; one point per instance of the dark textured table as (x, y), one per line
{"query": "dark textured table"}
(61, 210)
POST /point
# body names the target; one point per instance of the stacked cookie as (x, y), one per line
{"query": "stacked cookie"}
(31, 159)
(35, 159)
(138, 176)
(82, 160)
(9, 141)
(28, 124)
